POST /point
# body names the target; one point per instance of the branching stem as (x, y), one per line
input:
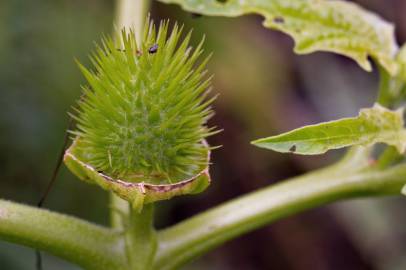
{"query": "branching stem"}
(350, 179)
(95, 247)
(90, 246)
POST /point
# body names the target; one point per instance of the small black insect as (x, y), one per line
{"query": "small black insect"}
(292, 149)
(153, 49)
(279, 19)
(195, 15)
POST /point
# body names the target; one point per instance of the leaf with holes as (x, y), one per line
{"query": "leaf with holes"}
(315, 25)
(373, 125)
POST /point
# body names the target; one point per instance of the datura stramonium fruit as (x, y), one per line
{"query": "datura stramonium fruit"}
(141, 122)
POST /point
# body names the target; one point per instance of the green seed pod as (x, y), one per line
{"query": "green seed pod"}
(141, 123)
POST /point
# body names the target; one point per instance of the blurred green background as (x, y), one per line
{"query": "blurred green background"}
(264, 89)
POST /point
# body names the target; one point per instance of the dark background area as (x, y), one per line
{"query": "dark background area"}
(264, 89)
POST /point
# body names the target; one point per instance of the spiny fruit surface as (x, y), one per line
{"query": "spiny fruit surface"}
(143, 113)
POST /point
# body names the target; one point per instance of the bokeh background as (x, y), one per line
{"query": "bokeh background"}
(264, 89)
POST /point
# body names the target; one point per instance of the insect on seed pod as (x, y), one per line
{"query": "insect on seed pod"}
(141, 125)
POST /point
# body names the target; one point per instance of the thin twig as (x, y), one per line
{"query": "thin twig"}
(58, 165)
(38, 257)
(51, 183)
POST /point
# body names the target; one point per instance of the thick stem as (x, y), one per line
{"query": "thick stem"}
(384, 94)
(132, 14)
(94, 247)
(389, 156)
(119, 212)
(129, 14)
(86, 244)
(141, 239)
(200, 234)
(390, 89)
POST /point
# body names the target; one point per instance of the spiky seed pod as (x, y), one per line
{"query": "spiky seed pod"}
(143, 114)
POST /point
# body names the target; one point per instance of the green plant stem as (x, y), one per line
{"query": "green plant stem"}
(390, 89)
(132, 13)
(129, 14)
(388, 93)
(351, 178)
(83, 243)
(119, 211)
(95, 247)
(389, 156)
(139, 233)
(141, 238)
(384, 94)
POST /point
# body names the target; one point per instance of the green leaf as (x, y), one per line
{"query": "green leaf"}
(373, 125)
(315, 25)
